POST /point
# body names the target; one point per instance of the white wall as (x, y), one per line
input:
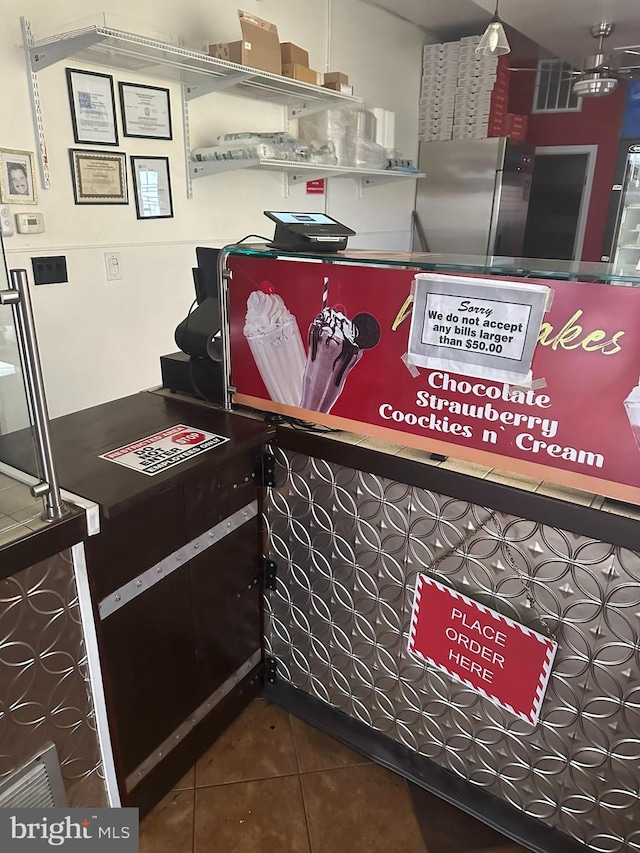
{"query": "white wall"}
(101, 340)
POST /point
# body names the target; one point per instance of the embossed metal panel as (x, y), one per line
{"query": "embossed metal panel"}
(349, 546)
(44, 683)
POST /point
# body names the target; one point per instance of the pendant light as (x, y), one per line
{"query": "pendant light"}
(494, 41)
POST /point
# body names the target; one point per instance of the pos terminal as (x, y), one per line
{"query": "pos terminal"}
(308, 232)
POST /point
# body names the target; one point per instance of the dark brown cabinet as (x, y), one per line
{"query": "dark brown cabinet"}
(226, 607)
(184, 606)
(178, 611)
(148, 651)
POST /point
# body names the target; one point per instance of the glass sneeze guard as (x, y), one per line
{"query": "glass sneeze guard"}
(465, 264)
(23, 508)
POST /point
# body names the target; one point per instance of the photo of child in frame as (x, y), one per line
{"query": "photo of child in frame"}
(17, 184)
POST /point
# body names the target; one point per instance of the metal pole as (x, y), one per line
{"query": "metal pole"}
(224, 275)
(19, 296)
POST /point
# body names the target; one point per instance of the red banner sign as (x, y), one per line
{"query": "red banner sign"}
(329, 343)
(493, 655)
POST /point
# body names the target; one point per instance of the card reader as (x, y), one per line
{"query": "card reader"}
(308, 232)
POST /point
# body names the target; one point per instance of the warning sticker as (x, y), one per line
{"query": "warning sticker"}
(156, 453)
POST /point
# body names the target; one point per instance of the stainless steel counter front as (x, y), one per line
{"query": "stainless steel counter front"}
(349, 545)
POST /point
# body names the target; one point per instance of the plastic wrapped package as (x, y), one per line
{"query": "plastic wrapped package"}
(236, 151)
(325, 124)
(252, 146)
(327, 127)
(350, 131)
(362, 153)
(282, 140)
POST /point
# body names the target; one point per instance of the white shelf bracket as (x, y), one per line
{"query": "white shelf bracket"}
(220, 84)
(36, 110)
(56, 51)
(308, 107)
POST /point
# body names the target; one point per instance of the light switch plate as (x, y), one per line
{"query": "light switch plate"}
(6, 223)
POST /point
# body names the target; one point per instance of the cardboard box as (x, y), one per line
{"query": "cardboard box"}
(339, 87)
(336, 77)
(516, 127)
(291, 54)
(258, 48)
(302, 73)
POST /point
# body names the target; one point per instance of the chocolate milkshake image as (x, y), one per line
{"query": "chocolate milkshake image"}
(336, 344)
(632, 406)
(274, 339)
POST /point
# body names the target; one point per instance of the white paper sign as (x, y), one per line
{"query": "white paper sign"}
(155, 453)
(477, 327)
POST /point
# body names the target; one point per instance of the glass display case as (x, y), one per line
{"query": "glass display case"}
(626, 248)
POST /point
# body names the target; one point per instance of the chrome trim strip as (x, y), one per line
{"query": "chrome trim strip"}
(191, 722)
(136, 586)
(95, 673)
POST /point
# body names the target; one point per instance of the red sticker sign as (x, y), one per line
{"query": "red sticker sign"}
(188, 438)
(316, 187)
(502, 660)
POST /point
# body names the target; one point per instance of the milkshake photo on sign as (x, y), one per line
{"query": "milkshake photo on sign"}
(273, 337)
(632, 407)
(314, 379)
(335, 345)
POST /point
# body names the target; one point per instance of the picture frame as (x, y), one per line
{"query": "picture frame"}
(145, 111)
(99, 177)
(93, 107)
(17, 177)
(152, 187)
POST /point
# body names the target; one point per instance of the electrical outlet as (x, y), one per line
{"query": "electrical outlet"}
(112, 265)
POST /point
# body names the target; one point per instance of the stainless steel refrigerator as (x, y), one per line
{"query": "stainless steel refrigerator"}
(475, 196)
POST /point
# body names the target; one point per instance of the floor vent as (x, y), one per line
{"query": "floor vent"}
(36, 785)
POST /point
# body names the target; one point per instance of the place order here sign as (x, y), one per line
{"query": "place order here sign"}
(502, 660)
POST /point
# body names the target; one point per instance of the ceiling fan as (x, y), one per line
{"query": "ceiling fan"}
(600, 74)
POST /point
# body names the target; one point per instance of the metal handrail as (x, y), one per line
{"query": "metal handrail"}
(19, 297)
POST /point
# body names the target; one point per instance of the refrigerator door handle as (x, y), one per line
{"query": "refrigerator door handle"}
(494, 242)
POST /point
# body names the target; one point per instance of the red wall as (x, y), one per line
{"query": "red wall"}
(598, 123)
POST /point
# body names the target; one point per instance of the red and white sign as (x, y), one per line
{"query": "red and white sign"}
(564, 429)
(502, 660)
(155, 453)
(316, 187)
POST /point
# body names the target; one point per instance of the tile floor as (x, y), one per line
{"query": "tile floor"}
(20, 512)
(273, 784)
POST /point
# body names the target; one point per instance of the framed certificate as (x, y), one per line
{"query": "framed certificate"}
(93, 107)
(152, 187)
(99, 177)
(146, 111)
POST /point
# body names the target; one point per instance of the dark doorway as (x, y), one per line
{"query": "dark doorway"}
(557, 186)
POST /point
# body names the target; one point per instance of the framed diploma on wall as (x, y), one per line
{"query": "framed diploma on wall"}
(99, 177)
(152, 187)
(93, 107)
(146, 111)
